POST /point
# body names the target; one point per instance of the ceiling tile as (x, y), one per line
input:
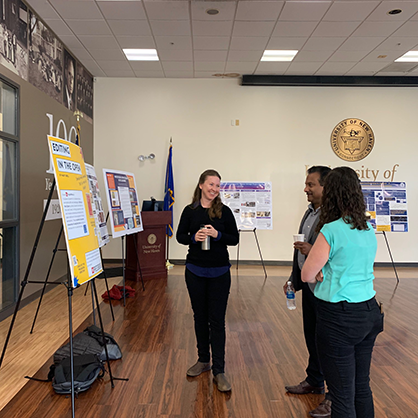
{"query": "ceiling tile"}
(380, 14)
(204, 74)
(259, 10)
(136, 41)
(122, 9)
(387, 56)
(248, 43)
(253, 28)
(145, 66)
(312, 56)
(179, 74)
(81, 54)
(204, 28)
(43, 8)
(245, 56)
(71, 42)
(149, 74)
(77, 9)
(163, 10)
(59, 27)
(106, 65)
(303, 68)
(335, 68)
(93, 68)
(286, 43)
(335, 28)
(108, 54)
(377, 28)
(347, 56)
(401, 44)
(272, 68)
(294, 28)
(130, 27)
(323, 44)
(408, 29)
(226, 10)
(350, 11)
(304, 11)
(371, 66)
(209, 66)
(240, 67)
(89, 27)
(361, 43)
(170, 27)
(210, 55)
(120, 73)
(211, 42)
(98, 42)
(175, 54)
(177, 65)
(173, 42)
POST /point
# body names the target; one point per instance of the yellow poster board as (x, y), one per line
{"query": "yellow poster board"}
(77, 211)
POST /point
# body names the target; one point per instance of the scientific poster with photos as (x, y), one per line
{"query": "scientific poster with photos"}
(14, 37)
(85, 93)
(96, 204)
(45, 59)
(250, 202)
(386, 203)
(77, 211)
(123, 203)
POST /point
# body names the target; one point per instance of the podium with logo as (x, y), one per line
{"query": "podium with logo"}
(151, 247)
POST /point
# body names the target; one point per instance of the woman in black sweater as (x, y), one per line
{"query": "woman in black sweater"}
(208, 278)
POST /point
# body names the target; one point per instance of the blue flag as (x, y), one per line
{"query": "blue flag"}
(169, 190)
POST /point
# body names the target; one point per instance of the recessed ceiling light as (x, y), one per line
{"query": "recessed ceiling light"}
(277, 55)
(394, 12)
(411, 56)
(212, 12)
(141, 54)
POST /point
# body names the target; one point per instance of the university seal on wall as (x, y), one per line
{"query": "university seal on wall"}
(152, 239)
(352, 139)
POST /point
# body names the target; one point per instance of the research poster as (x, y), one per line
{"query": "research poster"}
(76, 209)
(250, 202)
(123, 203)
(387, 204)
(98, 212)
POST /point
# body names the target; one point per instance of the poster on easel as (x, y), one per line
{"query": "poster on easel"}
(123, 203)
(98, 212)
(386, 203)
(76, 209)
(250, 202)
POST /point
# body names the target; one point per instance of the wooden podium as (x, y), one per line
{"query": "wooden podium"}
(151, 245)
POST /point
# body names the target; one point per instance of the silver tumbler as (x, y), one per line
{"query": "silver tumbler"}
(206, 242)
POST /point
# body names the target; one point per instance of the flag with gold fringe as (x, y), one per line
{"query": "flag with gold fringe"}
(169, 190)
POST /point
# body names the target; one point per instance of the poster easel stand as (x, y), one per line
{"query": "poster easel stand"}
(139, 265)
(258, 246)
(390, 254)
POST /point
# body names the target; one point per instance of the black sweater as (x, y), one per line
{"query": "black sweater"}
(190, 222)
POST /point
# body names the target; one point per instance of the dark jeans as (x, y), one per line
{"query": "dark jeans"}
(314, 374)
(346, 333)
(209, 297)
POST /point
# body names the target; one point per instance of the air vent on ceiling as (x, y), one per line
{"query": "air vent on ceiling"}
(399, 67)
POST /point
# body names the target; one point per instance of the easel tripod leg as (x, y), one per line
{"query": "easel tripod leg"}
(70, 326)
(239, 239)
(391, 258)
(139, 264)
(259, 250)
(107, 286)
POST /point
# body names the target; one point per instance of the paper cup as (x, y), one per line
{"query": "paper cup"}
(298, 237)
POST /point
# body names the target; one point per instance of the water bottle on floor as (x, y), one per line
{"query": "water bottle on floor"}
(290, 296)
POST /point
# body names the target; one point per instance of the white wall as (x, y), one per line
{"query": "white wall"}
(282, 130)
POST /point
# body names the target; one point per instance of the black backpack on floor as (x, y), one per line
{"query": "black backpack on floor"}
(113, 350)
(87, 368)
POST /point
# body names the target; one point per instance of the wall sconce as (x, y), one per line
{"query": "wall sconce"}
(146, 157)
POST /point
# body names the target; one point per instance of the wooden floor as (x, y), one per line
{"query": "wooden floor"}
(265, 351)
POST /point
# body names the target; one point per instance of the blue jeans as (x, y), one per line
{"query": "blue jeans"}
(209, 297)
(346, 333)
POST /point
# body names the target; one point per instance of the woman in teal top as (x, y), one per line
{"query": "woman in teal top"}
(349, 318)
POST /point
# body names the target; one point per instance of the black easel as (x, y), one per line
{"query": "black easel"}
(137, 260)
(390, 254)
(258, 246)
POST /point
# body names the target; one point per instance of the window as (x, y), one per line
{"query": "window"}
(9, 192)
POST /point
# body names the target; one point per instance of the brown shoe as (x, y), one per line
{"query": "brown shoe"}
(323, 410)
(221, 382)
(304, 388)
(198, 369)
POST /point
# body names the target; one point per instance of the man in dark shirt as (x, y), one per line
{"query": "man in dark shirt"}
(314, 381)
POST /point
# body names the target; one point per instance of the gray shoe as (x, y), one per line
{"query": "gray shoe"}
(222, 383)
(197, 369)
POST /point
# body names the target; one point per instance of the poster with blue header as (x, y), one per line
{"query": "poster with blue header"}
(250, 202)
(386, 203)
